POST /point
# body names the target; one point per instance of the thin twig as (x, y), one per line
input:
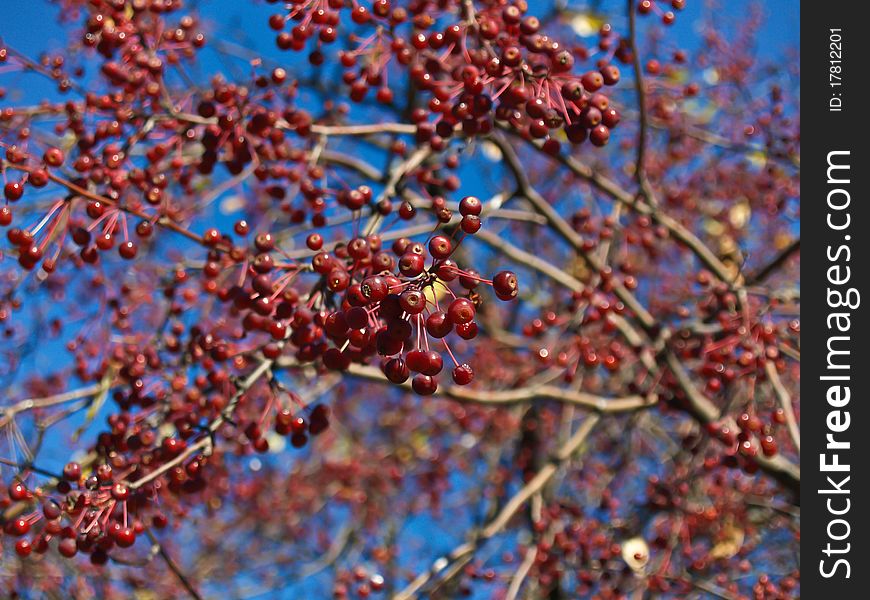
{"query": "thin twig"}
(173, 566)
(463, 552)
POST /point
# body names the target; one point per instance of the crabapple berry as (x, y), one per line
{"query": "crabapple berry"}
(505, 285)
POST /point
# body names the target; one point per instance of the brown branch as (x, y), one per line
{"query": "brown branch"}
(9, 412)
(771, 267)
(464, 552)
(173, 566)
(519, 577)
(530, 260)
(598, 404)
(779, 467)
(643, 119)
(397, 173)
(213, 427)
(784, 399)
(564, 229)
(699, 405)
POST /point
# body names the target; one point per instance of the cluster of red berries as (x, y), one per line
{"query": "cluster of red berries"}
(358, 582)
(33, 243)
(97, 517)
(647, 7)
(493, 66)
(115, 29)
(751, 434)
(382, 298)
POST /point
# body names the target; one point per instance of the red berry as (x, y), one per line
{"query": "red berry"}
(314, 241)
(599, 135)
(18, 491)
(13, 190)
(67, 547)
(768, 446)
(356, 317)
(128, 250)
(467, 331)
(18, 527)
(592, 81)
(120, 492)
(424, 385)
(397, 370)
(144, 229)
(461, 311)
(211, 237)
(470, 205)
(384, 95)
(470, 224)
(431, 363)
(438, 324)
(440, 246)
(610, 74)
(411, 265)
(416, 360)
(72, 471)
(374, 288)
(463, 374)
(412, 301)
(53, 157)
(125, 537)
(23, 548)
(505, 285)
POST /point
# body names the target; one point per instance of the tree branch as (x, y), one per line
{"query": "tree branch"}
(463, 552)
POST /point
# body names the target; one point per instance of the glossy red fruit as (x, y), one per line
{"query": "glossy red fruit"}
(599, 135)
(53, 157)
(505, 285)
(18, 491)
(374, 288)
(431, 363)
(397, 370)
(13, 190)
(128, 250)
(125, 537)
(416, 360)
(72, 471)
(336, 360)
(18, 527)
(314, 241)
(438, 324)
(461, 311)
(67, 547)
(412, 301)
(356, 317)
(470, 224)
(467, 331)
(411, 264)
(470, 205)
(424, 385)
(463, 374)
(769, 446)
(440, 247)
(23, 548)
(592, 81)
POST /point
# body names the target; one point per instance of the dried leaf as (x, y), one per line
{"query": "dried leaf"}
(740, 214)
(586, 24)
(729, 544)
